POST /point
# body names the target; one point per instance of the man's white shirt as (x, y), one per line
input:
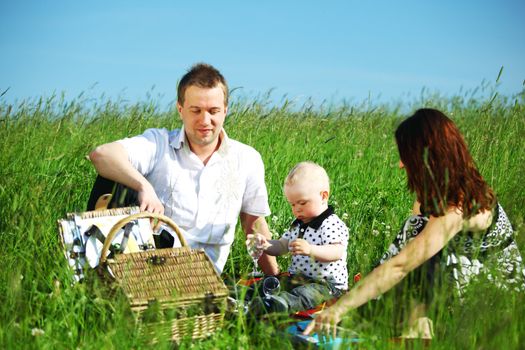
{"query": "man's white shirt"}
(204, 200)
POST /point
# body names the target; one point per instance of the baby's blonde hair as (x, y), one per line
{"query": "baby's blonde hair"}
(309, 174)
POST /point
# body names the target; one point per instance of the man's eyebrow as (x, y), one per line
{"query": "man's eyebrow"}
(213, 107)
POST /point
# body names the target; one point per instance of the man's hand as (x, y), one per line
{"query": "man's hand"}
(149, 201)
(300, 247)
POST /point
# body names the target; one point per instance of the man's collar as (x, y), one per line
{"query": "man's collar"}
(225, 143)
(318, 221)
(177, 139)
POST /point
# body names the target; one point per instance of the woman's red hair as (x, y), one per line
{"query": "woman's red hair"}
(440, 169)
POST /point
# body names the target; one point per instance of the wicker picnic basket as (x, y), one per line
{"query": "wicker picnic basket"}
(175, 292)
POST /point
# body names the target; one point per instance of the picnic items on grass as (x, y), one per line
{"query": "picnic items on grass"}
(83, 235)
(349, 340)
(175, 292)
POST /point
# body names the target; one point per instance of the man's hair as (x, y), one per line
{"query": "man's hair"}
(204, 76)
(439, 167)
(308, 173)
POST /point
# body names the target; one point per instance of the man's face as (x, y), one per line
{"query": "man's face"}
(203, 114)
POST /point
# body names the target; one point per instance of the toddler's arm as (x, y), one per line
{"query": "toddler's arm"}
(277, 247)
(323, 253)
(272, 247)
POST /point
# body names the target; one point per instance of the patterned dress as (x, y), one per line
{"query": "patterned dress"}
(493, 253)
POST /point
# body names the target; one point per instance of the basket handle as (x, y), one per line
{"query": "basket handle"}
(130, 218)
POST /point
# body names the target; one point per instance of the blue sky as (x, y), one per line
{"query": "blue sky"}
(326, 50)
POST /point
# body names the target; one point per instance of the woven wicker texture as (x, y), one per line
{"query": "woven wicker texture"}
(181, 281)
(103, 213)
(178, 276)
(196, 327)
(175, 292)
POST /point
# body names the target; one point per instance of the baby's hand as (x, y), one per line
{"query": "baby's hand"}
(300, 247)
(257, 240)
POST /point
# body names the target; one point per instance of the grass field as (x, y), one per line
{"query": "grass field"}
(44, 174)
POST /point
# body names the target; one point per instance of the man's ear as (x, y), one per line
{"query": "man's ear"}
(179, 109)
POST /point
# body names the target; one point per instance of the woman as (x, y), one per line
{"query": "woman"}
(454, 208)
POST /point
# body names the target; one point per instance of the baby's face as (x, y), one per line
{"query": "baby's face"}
(306, 203)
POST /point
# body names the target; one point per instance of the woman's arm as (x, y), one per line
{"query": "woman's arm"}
(437, 232)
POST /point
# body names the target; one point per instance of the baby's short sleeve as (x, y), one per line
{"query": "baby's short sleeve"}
(334, 231)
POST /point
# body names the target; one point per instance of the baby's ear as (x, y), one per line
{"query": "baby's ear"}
(324, 195)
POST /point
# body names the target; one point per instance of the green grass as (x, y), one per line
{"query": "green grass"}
(44, 174)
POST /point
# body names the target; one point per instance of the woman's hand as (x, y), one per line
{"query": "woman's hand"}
(325, 322)
(300, 247)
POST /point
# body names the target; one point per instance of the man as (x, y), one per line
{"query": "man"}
(196, 175)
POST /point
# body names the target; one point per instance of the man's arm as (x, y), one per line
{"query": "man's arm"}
(111, 161)
(267, 263)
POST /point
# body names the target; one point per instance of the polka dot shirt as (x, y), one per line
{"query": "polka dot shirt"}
(327, 228)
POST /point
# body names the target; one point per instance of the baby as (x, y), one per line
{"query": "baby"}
(317, 240)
